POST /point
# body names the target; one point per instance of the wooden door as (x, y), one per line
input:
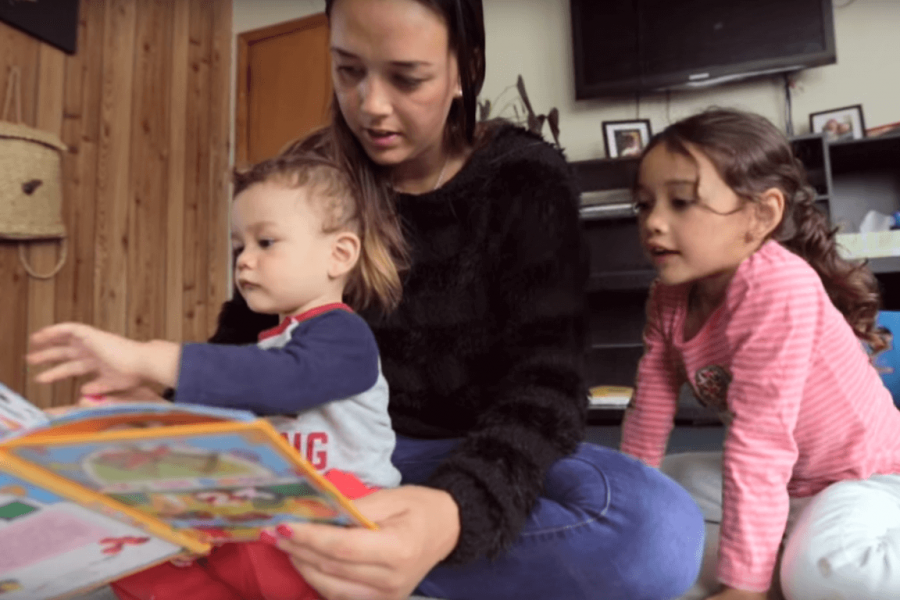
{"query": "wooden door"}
(284, 85)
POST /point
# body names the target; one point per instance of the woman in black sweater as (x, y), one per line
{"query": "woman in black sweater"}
(484, 355)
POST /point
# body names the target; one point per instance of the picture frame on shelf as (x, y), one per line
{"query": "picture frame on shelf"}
(845, 123)
(626, 138)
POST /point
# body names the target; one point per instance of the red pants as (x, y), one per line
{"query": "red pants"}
(236, 571)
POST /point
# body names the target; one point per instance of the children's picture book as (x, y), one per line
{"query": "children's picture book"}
(98, 493)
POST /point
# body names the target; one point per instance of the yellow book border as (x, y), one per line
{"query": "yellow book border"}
(49, 437)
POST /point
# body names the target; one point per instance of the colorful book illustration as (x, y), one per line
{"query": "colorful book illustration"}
(98, 493)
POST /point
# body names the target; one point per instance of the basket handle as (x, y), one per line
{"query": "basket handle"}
(13, 92)
(63, 252)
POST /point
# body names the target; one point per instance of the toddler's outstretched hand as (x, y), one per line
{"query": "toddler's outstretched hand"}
(75, 350)
(116, 363)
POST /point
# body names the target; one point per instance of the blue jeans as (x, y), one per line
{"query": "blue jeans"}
(607, 527)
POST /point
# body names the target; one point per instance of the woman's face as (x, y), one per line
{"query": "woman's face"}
(394, 76)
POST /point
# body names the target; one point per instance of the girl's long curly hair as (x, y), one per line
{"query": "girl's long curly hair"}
(752, 156)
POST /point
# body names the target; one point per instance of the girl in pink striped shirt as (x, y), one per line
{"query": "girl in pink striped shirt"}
(755, 310)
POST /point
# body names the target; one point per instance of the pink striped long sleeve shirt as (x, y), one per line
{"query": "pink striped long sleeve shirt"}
(803, 406)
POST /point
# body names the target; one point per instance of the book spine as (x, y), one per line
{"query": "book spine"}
(97, 502)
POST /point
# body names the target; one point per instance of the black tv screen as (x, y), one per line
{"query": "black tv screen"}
(627, 46)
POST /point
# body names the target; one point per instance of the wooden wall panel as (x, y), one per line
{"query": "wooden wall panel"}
(143, 109)
(43, 256)
(113, 168)
(220, 173)
(148, 177)
(197, 181)
(81, 131)
(15, 47)
(178, 167)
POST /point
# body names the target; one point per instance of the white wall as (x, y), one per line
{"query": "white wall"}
(533, 38)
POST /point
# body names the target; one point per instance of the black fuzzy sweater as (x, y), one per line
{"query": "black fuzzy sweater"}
(487, 343)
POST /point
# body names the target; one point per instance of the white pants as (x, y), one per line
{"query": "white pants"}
(841, 544)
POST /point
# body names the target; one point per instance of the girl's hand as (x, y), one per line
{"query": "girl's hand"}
(116, 363)
(417, 528)
(736, 594)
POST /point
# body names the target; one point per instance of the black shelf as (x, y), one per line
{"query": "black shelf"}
(865, 176)
(865, 155)
(639, 279)
(616, 318)
(612, 366)
(616, 345)
(886, 264)
(618, 210)
(606, 174)
(812, 150)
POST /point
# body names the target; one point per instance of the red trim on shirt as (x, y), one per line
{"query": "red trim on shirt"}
(304, 316)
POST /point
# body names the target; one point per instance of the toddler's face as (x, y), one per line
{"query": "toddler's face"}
(693, 226)
(281, 253)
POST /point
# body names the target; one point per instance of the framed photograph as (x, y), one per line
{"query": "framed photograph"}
(844, 123)
(625, 138)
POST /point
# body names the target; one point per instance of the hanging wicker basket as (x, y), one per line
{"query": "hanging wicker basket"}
(30, 181)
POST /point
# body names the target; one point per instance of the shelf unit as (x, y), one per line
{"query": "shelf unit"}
(850, 178)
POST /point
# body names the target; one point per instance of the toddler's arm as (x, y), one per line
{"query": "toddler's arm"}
(330, 357)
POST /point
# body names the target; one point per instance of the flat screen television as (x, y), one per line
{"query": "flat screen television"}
(628, 46)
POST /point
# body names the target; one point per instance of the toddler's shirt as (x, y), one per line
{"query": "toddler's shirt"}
(317, 377)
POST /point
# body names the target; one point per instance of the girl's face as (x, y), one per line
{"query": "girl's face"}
(693, 227)
(394, 77)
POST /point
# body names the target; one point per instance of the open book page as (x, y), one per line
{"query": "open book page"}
(50, 546)
(17, 414)
(217, 481)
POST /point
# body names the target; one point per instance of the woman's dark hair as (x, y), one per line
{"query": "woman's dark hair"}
(751, 156)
